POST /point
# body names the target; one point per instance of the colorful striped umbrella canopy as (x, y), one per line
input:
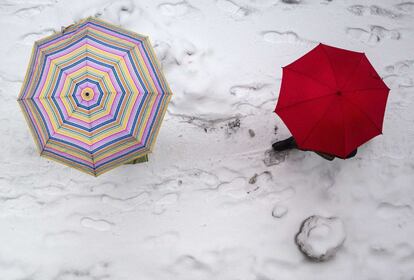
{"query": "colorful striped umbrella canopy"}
(94, 96)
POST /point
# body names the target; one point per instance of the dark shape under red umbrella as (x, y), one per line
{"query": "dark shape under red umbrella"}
(332, 100)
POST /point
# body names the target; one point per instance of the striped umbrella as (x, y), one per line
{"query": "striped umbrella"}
(94, 96)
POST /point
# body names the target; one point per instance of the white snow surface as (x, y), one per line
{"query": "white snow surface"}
(201, 208)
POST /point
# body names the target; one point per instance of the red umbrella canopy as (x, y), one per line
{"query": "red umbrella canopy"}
(332, 100)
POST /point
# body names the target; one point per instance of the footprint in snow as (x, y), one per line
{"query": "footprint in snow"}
(30, 38)
(247, 89)
(235, 10)
(176, 9)
(362, 10)
(116, 11)
(164, 202)
(128, 203)
(387, 210)
(373, 35)
(28, 12)
(287, 37)
(234, 189)
(407, 7)
(274, 158)
(400, 74)
(96, 224)
(165, 239)
(169, 198)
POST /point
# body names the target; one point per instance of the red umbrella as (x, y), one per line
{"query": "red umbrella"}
(332, 100)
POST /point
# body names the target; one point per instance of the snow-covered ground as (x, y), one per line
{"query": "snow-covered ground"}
(212, 202)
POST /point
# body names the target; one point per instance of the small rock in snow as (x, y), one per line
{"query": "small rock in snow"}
(279, 211)
(252, 133)
(319, 238)
(253, 179)
(291, 1)
(234, 124)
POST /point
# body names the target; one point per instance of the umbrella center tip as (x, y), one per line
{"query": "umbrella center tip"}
(87, 93)
(339, 93)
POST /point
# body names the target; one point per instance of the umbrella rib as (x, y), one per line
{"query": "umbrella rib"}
(303, 74)
(362, 111)
(93, 164)
(54, 133)
(344, 125)
(365, 89)
(98, 170)
(305, 101)
(318, 122)
(353, 72)
(330, 64)
(44, 146)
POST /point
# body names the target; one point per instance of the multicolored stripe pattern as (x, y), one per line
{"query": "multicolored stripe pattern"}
(94, 96)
